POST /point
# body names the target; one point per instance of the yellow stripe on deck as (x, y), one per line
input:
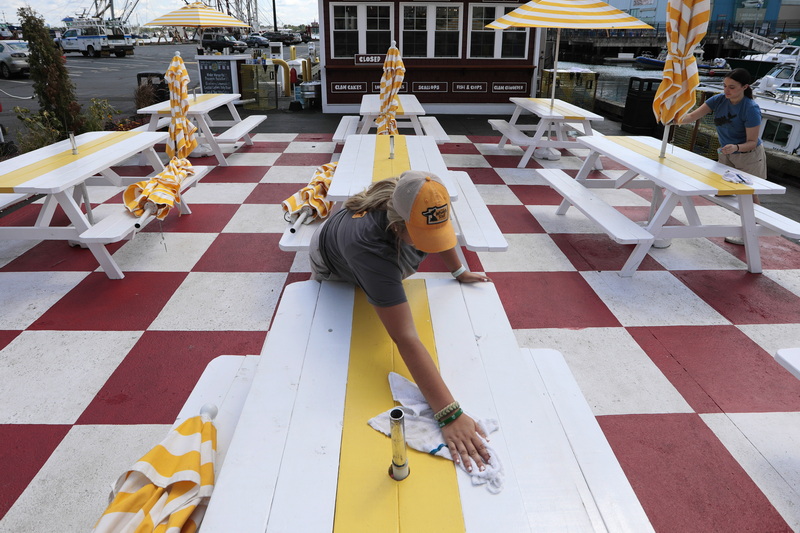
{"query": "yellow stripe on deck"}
(690, 169)
(17, 177)
(567, 111)
(192, 99)
(383, 167)
(367, 499)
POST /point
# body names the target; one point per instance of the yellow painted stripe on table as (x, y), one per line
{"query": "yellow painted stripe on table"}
(367, 499)
(17, 177)
(191, 99)
(399, 106)
(565, 111)
(383, 167)
(697, 172)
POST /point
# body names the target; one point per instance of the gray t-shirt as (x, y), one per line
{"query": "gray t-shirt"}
(363, 251)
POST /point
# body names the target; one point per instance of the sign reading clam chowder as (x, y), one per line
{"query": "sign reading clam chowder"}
(509, 87)
(429, 87)
(349, 87)
(470, 87)
(369, 59)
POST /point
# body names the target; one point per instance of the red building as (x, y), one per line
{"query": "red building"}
(452, 61)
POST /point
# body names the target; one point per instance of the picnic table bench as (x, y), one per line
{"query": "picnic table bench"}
(302, 457)
(350, 125)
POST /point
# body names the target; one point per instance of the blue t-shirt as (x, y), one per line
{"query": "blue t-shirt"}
(732, 120)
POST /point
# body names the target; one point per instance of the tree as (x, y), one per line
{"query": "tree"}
(51, 82)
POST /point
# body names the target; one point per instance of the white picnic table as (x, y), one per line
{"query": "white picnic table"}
(299, 456)
(410, 111)
(200, 108)
(61, 176)
(680, 178)
(555, 117)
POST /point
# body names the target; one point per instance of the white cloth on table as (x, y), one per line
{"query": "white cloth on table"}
(423, 432)
(735, 177)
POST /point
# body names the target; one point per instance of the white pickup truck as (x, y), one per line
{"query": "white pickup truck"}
(92, 37)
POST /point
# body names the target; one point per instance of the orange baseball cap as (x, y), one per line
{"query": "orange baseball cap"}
(423, 202)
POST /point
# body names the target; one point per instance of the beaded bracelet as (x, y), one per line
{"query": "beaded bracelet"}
(446, 411)
(451, 418)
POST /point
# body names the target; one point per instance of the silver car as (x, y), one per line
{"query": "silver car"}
(14, 58)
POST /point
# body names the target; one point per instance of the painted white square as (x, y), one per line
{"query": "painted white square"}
(773, 337)
(527, 252)
(696, 254)
(219, 193)
(262, 159)
(497, 195)
(289, 174)
(214, 301)
(257, 218)
(520, 176)
(465, 161)
(615, 375)
(49, 377)
(788, 279)
(493, 149)
(312, 147)
(573, 221)
(652, 298)
(25, 296)
(163, 252)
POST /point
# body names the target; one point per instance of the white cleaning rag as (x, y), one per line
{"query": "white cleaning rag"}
(423, 432)
(735, 177)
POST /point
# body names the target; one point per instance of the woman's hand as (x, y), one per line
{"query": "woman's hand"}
(463, 437)
(728, 149)
(472, 277)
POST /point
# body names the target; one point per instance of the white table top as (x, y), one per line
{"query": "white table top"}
(72, 170)
(668, 174)
(355, 169)
(554, 109)
(202, 104)
(371, 105)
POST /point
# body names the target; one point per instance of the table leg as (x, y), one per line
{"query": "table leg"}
(366, 124)
(750, 233)
(416, 124)
(587, 130)
(537, 136)
(654, 227)
(512, 122)
(209, 138)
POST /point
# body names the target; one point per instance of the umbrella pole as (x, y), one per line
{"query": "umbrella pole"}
(148, 212)
(664, 141)
(300, 219)
(555, 69)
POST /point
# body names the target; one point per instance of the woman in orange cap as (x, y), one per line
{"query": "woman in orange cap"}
(378, 239)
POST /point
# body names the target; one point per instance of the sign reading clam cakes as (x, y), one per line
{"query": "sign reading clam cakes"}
(216, 76)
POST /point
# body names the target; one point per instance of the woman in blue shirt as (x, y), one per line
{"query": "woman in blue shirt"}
(738, 121)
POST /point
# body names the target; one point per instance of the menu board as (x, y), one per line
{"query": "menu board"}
(216, 76)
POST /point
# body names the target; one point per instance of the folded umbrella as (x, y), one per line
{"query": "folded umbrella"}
(394, 71)
(309, 203)
(168, 489)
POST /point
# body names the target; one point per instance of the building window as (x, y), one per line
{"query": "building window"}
(510, 43)
(431, 30)
(360, 29)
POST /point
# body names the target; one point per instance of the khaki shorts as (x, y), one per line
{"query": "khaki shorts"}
(753, 162)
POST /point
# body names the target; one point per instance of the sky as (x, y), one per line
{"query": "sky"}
(290, 12)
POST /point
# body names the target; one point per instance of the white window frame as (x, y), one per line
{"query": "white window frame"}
(430, 27)
(498, 34)
(361, 18)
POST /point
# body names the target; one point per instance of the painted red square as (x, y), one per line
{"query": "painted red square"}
(133, 170)
(551, 300)
(24, 449)
(458, 148)
(56, 256)
(594, 251)
(245, 252)
(101, 304)
(481, 176)
(536, 194)
(303, 160)
(484, 139)
(236, 174)
(515, 219)
(205, 218)
(685, 478)
(433, 263)
(314, 137)
(153, 381)
(777, 253)
(273, 193)
(742, 297)
(719, 368)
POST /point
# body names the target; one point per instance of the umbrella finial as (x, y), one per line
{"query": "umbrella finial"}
(177, 53)
(394, 43)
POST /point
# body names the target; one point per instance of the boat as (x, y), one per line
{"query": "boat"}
(782, 81)
(758, 65)
(719, 66)
(622, 58)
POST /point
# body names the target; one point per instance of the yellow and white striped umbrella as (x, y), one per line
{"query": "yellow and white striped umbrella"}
(167, 490)
(394, 71)
(182, 139)
(309, 202)
(197, 15)
(573, 14)
(687, 22)
(160, 193)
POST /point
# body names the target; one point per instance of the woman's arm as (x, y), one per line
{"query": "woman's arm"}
(462, 436)
(453, 263)
(697, 114)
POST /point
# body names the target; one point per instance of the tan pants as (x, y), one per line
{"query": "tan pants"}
(753, 162)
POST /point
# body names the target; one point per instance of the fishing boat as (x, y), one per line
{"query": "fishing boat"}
(782, 81)
(648, 62)
(758, 65)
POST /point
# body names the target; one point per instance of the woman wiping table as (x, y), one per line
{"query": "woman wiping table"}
(378, 239)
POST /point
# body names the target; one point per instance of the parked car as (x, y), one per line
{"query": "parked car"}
(14, 58)
(256, 41)
(277, 37)
(219, 42)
